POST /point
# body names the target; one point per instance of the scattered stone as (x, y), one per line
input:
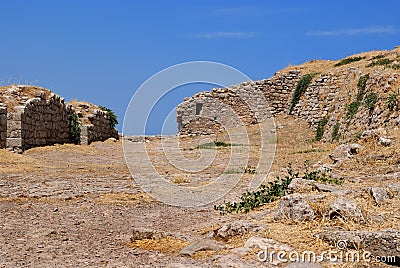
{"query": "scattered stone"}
(41, 232)
(294, 207)
(380, 243)
(374, 133)
(300, 186)
(347, 210)
(325, 168)
(322, 187)
(315, 198)
(344, 152)
(379, 194)
(395, 187)
(266, 243)
(144, 233)
(112, 139)
(205, 244)
(385, 141)
(238, 228)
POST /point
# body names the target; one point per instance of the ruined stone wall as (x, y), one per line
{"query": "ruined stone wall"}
(328, 97)
(39, 122)
(3, 126)
(246, 103)
(330, 94)
(98, 129)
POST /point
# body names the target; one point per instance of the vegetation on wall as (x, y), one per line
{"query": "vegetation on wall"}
(111, 114)
(321, 129)
(300, 89)
(348, 60)
(74, 126)
(353, 107)
(370, 100)
(392, 101)
(380, 62)
(335, 132)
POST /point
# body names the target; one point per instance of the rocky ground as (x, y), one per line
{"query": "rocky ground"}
(78, 206)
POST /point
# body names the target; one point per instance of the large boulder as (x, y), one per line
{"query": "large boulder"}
(294, 207)
(347, 210)
(239, 227)
(344, 152)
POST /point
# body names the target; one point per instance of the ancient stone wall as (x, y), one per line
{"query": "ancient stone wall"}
(98, 129)
(40, 121)
(34, 116)
(3, 126)
(330, 95)
(327, 98)
(246, 103)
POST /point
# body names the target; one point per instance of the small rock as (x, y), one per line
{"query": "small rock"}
(238, 228)
(294, 207)
(344, 152)
(112, 139)
(385, 141)
(266, 243)
(395, 187)
(144, 233)
(300, 186)
(322, 187)
(379, 194)
(315, 198)
(205, 244)
(325, 168)
(347, 210)
(41, 232)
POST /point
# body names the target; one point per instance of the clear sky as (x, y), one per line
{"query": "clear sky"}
(102, 51)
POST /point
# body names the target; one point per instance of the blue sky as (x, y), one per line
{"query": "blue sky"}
(102, 51)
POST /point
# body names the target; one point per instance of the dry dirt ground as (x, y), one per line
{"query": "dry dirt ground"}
(76, 206)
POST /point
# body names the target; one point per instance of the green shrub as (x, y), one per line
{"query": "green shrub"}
(74, 127)
(380, 56)
(392, 101)
(272, 191)
(265, 194)
(321, 129)
(361, 85)
(300, 89)
(335, 132)
(111, 114)
(352, 109)
(380, 62)
(348, 60)
(370, 100)
(250, 170)
(396, 66)
(213, 145)
(358, 135)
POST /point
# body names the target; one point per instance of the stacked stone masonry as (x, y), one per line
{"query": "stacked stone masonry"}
(3, 125)
(328, 96)
(99, 128)
(246, 103)
(34, 116)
